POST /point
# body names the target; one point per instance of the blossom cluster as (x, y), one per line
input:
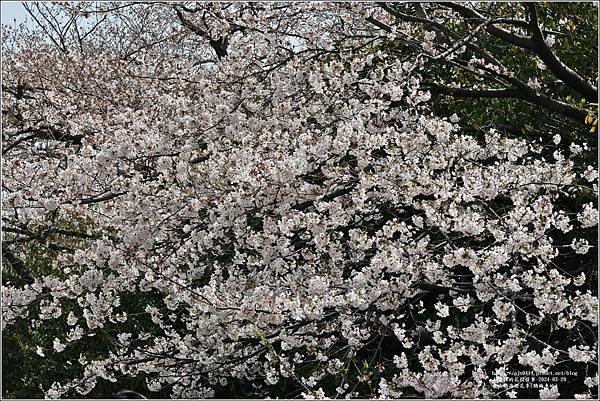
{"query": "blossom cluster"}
(290, 213)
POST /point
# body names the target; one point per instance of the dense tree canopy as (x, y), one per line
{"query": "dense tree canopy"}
(300, 199)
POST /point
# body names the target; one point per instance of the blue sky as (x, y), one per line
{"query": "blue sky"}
(11, 11)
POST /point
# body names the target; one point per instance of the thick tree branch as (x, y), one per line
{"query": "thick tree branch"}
(326, 198)
(44, 132)
(558, 68)
(537, 44)
(219, 45)
(379, 24)
(542, 100)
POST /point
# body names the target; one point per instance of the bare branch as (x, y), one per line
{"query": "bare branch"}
(512, 38)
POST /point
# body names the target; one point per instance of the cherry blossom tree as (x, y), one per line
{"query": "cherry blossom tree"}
(217, 199)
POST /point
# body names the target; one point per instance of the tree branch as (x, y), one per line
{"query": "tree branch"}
(449, 35)
(558, 68)
(533, 97)
(537, 44)
(475, 93)
(379, 24)
(507, 36)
